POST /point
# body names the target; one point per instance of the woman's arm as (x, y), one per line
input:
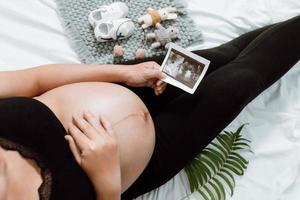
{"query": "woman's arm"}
(35, 81)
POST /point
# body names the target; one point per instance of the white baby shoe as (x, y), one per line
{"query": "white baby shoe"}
(113, 11)
(108, 30)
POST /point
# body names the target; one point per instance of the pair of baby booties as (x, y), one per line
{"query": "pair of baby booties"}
(110, 23)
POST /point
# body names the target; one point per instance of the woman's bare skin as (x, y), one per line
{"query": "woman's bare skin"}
(71, 90)
(126, 112)
(13, 168)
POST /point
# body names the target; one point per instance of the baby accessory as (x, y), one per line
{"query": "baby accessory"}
(156, 16)
(109, 22)
(108, 30)
(118, 51)
(113, 11)
(140, 53)
(74, 15)
(162, 36)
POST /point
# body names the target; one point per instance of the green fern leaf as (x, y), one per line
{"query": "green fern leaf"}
(227, 181)
(205, 197)
(212, 172)
(216, 188)
(209, 191)
(225, 171)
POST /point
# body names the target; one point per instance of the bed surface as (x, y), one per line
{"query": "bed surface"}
(31, 35)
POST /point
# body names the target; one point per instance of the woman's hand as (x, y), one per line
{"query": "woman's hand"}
(146, 74)
(95, 148)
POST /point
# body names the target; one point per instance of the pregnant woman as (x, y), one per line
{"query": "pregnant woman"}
(96, 132)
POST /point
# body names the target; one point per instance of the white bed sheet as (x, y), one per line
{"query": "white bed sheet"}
(31, 35)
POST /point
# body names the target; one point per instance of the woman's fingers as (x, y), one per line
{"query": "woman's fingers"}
(74, 149)
(159, 87)
(80, 138)
(90, 118)
(154, 74)
(163, 86)
(87, 127)
(160, 83)
(159, 91)
(146, 74)
(107, 125)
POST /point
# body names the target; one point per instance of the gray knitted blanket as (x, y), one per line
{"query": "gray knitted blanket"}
(74, 14)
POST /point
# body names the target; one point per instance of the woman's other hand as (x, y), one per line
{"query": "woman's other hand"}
(146, 74)
(159, 87)
(95, 148)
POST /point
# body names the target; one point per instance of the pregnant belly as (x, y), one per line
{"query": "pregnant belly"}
(125, 110)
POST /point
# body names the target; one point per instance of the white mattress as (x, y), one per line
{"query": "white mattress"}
(31, 34)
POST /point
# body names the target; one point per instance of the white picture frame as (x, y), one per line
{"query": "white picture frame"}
(183, 68)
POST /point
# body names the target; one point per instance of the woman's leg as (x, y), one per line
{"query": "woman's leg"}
(188, 123)
(218, 56)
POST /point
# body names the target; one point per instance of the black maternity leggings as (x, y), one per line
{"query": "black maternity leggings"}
(239, 71)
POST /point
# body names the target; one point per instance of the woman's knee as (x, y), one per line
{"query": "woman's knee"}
(293, 26)
(243, 78)
(242, 83)
(296, 19)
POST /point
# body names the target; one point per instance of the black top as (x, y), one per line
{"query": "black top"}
(30, 127)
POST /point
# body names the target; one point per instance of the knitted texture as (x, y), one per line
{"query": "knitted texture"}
(74, 14)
